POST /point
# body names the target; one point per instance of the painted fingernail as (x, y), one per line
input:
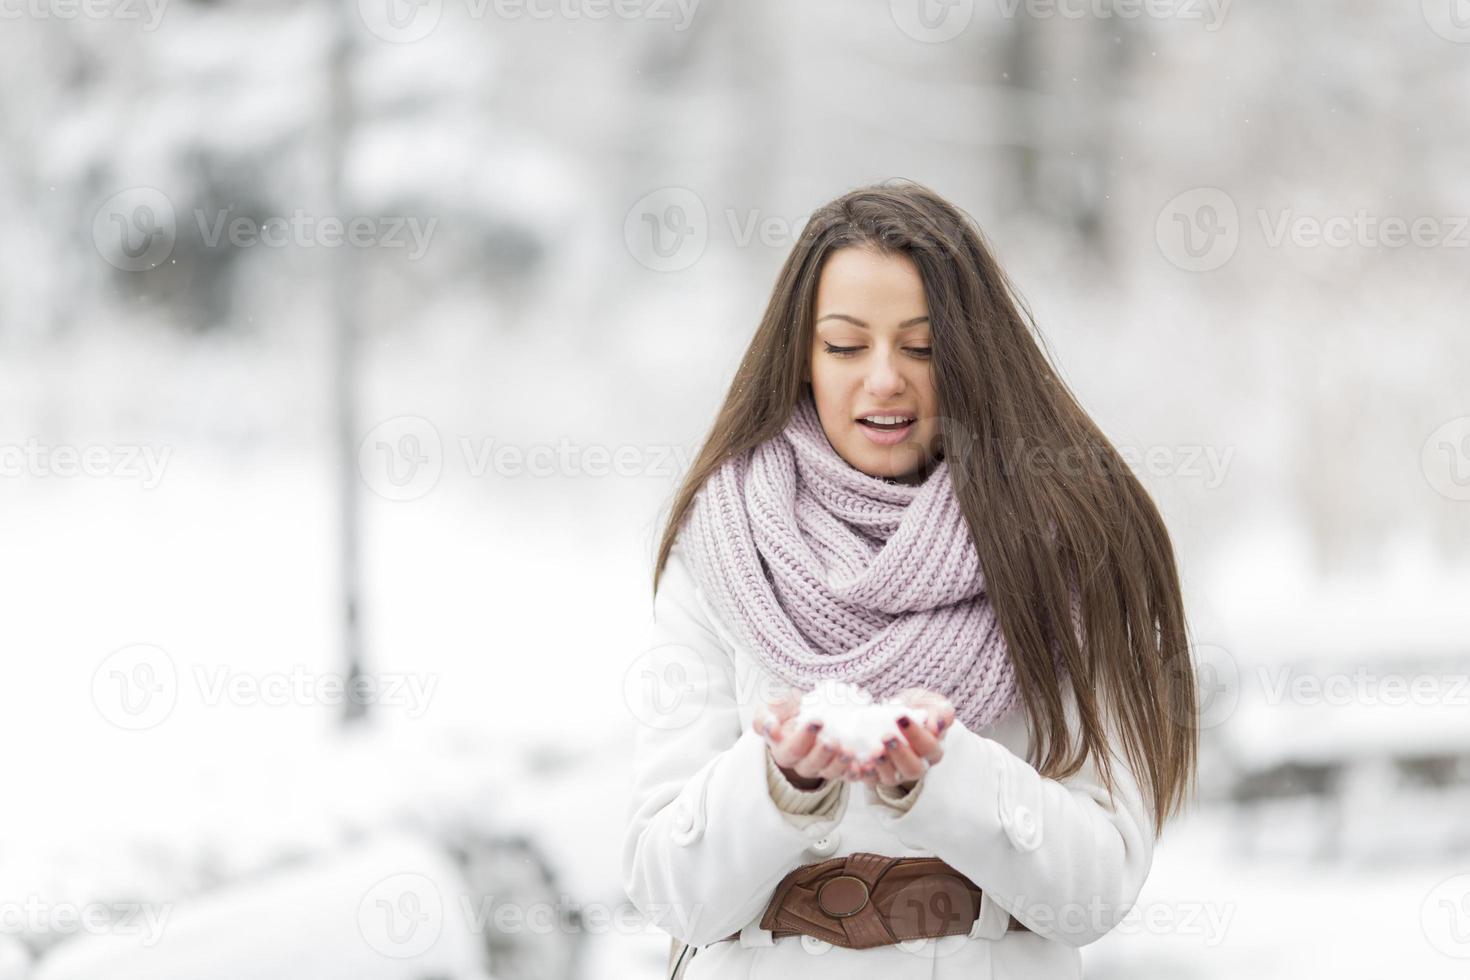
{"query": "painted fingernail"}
(892, 743)
(883, 758)
(904, 722)
(815, 726)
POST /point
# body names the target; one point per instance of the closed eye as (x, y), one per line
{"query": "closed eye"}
(846, 351)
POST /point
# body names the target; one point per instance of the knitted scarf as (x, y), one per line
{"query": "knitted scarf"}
(826, 572)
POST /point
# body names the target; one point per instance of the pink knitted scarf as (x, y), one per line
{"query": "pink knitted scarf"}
(827, 572)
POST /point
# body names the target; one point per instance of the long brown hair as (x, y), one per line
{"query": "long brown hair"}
(1053, 510)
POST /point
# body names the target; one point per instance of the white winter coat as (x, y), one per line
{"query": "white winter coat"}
(706, 841)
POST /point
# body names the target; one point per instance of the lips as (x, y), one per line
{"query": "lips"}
(886, 433)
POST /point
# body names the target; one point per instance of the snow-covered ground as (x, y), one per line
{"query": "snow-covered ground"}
(508, 634)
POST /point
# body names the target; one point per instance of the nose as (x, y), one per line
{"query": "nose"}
(883, 379)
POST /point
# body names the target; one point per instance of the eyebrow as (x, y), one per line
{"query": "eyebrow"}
(912, 322)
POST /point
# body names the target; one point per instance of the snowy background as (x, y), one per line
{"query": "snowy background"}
(224, 423)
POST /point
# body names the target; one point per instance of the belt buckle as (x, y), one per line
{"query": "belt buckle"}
(834, 901)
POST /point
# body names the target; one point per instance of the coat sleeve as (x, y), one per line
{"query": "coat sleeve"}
(1060, 856)
(704, 843)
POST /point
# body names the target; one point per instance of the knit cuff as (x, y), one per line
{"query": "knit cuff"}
(800, 802)
(897, 798)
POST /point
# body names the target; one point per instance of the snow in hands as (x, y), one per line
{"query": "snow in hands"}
(851, 718)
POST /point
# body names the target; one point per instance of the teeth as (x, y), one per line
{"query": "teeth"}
(886, 419)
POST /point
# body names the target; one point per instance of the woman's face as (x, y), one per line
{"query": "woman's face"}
(870, 357)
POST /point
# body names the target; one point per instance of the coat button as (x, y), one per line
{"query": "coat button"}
(814, 945)
(825, 846)
(1024, 829)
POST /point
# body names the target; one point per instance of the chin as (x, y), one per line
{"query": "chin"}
(906, 459)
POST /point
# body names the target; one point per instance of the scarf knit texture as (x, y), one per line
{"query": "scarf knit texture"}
(826, 572)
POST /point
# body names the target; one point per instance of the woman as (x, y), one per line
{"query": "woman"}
(900, 493)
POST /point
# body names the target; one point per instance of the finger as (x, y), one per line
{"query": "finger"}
(917, 697)
(886, 773)
(839, 766)
(938, 711)
(778, 710)
(946, 719)
(908, 765)
(785, 706)
(794, 745)
(821, 755)
(923, 742)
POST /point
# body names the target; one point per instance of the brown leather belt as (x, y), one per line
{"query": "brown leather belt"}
(863, 900)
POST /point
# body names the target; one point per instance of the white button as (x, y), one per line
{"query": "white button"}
(1024, 829)
(826, 846)
(814, 945)
(688, 828)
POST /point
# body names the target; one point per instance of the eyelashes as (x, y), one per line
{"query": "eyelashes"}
(847, 351)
